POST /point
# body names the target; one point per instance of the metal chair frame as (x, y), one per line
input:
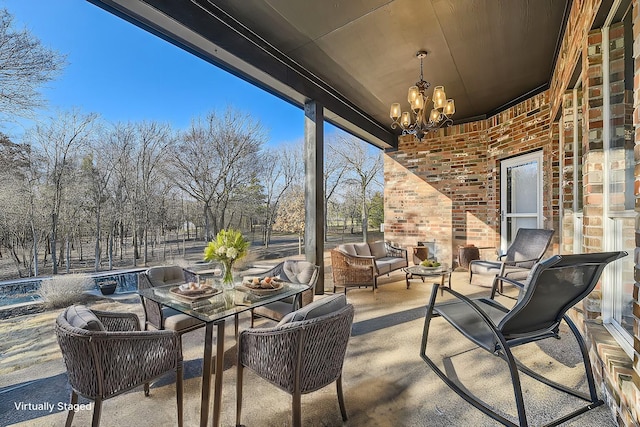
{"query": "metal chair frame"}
(484, 310)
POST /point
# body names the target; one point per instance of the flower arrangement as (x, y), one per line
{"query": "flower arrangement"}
(228, 247)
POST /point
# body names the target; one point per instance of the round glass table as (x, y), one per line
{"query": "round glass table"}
(417, 271)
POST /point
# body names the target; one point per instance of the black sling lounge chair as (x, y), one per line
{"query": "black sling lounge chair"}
(554, 286)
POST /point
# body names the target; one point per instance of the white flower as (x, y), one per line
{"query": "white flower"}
(222, 250)
(232, 253)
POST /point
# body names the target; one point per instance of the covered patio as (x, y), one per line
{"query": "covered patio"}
(385, 381)
(555, 79)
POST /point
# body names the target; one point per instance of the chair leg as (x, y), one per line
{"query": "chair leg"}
(97, 410)
(179, 393)
(296, 420)
(343, 411)
(239, 392)
(146, 389)
(236, 328)
(74, 401)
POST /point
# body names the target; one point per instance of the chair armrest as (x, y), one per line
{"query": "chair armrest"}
(396, 251)
(348, 269)
(129, 359)
(498, 279)
(357, 260)
(513, 282)
(118, 321)
(189, 276)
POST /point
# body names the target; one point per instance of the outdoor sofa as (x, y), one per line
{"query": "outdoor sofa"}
(360, 264)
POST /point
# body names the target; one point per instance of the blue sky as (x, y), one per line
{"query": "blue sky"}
(125, 74)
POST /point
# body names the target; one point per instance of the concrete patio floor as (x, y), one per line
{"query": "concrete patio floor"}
(385, 381)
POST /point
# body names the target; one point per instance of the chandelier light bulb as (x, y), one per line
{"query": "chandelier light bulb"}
(406, 119)
(450, 107)
(413, 94)
(395, 111)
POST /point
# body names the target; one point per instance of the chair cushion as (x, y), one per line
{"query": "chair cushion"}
(378, 249)
(81, 317)
(317, 308)
(484, 267)
(166, 275)
(276, 310)
(176, 321)
(362, 249)
(349, 249)
(298, 271)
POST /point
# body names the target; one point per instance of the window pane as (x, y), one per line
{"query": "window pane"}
(522, 188)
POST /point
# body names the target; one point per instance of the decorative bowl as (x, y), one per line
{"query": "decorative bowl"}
(108, 288)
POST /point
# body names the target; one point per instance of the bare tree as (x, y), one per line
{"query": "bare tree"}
(25, 65)
(121, 143)
(365, 168)
(153, 146)
(279, 170)
(97, 173)
(291, 214)
(335, 167)
(215, 160)
(60, 141)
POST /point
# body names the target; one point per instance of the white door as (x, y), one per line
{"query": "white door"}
(520, 195)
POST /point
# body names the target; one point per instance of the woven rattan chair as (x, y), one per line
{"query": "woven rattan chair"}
(304, 353)
(528, 247)
(291, 271)
(351, 272)
(156, 315)
(554, 286)
(106, 354)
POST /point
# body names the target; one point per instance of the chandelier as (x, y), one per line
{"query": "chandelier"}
(423, 122)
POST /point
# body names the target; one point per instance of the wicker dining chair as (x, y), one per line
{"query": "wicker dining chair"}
(158, 316)
(292, 271)
(107, 354)
(303, 353)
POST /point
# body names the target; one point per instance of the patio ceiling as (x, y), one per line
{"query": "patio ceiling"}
(356, 57)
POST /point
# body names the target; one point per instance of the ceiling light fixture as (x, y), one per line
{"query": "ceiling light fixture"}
(423, 122)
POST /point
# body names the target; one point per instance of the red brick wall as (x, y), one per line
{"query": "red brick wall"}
(448, 188)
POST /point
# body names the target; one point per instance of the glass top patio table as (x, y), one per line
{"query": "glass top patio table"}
(214, 311)
(218, 307)
(441, 271)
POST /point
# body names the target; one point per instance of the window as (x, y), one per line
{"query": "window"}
(620, 220)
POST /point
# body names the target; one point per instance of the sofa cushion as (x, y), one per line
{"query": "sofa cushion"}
(378, 249)
(81, 317)
(317, 308)
(362, 249)
(383, 267)
(349, 249)
(298, 271)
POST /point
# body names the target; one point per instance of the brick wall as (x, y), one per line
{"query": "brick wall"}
(447, 187)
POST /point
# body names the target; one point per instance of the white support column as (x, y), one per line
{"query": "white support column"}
(314, 188)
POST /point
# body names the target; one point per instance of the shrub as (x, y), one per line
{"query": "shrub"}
(64, 290)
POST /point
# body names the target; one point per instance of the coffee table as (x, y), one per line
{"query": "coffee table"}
(424, 272)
